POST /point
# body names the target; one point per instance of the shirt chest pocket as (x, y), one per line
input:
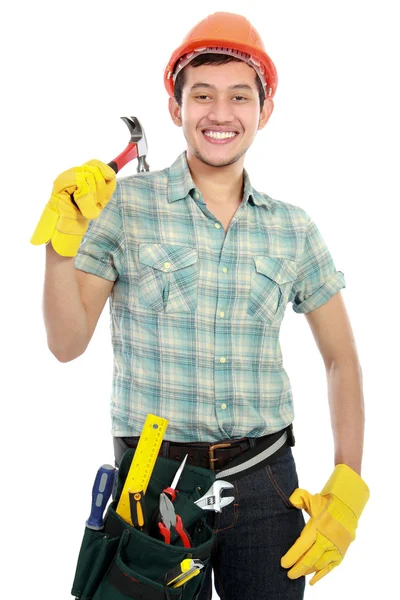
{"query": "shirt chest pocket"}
(271, 283)
(168, 277)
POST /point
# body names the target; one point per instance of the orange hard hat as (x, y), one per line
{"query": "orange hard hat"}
(225, 33)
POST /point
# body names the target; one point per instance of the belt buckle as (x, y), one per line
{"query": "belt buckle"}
(211, 450)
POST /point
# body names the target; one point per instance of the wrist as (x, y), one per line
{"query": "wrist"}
(349, 487)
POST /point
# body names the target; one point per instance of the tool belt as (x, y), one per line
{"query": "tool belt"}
(121, 561)
(229, 459)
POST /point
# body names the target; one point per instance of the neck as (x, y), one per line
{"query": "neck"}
(219, 185)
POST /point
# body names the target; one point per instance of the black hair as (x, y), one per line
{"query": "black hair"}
(209, 59)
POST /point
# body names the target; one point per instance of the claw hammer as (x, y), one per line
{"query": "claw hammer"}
(136, 148)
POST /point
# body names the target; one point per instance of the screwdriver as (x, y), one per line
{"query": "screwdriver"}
(101, 492)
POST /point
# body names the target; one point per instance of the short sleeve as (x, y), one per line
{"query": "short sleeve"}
(102, 248)
(317, 278)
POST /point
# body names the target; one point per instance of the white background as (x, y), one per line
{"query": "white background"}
(70, 70)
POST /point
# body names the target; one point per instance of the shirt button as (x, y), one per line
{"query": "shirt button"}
(222, 359)
(217, 226)
(225, 270)
(167, 265)
(278, 278)
(223, 406)
(222, 314)
(196, 195)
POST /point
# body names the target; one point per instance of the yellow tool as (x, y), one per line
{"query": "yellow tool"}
(187, 569)
(137, 509)
(192, 573)
(143, 463)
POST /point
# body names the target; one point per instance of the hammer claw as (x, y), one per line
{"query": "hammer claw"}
(136, 148)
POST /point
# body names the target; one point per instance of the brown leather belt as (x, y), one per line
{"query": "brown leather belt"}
(214, 456)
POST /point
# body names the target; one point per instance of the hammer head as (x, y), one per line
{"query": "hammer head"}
(213, 499)
(138, 137)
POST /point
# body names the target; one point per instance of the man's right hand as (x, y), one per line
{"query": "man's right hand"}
(65, 220)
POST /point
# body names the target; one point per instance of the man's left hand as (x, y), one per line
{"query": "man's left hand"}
(334, 515)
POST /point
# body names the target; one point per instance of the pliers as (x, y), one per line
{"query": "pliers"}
(170, 519)
(167, 516)
(171, 491)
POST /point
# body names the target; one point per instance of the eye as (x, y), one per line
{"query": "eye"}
(242, 97)
(202, 96)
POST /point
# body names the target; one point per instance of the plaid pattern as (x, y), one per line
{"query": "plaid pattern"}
(195, 315)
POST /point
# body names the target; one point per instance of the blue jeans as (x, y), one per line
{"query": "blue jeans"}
(253, 533)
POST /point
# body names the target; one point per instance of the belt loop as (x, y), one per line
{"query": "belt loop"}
(290, 433)
(164, 449)
(252, 442)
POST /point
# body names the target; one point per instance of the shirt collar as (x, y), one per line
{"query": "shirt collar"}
(180, 184)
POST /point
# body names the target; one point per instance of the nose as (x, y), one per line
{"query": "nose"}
(221, 111)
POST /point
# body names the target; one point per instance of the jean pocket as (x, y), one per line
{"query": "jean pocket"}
(270, 286)
(282, 475)
(168, 278)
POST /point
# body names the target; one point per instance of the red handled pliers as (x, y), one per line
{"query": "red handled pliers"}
(167, 511)
(171, 491)
(170, 519)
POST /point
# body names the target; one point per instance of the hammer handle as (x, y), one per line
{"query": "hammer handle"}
(130, 152)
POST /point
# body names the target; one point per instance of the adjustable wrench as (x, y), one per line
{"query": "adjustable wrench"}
(213, 500)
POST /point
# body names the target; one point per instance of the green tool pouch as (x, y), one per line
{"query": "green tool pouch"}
(121, 561)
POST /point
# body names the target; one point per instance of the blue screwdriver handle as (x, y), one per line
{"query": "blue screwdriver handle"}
(102, 489)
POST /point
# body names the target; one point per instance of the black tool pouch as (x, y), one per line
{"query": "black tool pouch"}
(121, 561)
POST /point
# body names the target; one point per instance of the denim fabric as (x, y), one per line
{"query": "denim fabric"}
(253, 533)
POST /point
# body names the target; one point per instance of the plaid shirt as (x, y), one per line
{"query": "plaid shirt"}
(196, 314)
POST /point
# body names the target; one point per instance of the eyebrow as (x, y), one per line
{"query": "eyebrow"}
(237, 86)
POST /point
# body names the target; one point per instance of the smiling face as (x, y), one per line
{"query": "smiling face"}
(220, 113)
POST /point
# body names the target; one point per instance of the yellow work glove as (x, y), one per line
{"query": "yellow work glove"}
(92, 186)
(334, 515)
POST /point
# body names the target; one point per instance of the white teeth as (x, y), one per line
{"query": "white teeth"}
(220, 135)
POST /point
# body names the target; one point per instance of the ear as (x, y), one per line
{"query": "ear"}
(266, 112)
(175, 111)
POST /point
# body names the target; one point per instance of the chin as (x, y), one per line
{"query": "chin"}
(213, 161)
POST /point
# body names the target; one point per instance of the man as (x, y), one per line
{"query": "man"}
(199, 268)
